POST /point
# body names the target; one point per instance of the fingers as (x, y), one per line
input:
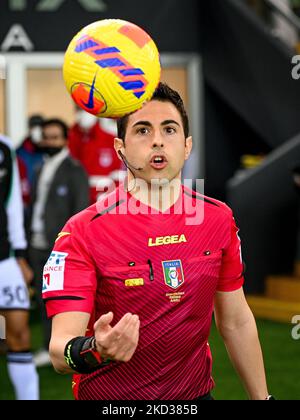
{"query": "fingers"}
(120, 342)
(125, 329)
(103, 322)
(136, 332)
(126, 338)
(131, 344)
(123, 325)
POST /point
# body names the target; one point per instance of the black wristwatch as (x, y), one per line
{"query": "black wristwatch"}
(82, 356)
(90, 354)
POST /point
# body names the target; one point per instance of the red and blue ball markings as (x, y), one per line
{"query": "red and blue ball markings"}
(110, 57)
(87, 97)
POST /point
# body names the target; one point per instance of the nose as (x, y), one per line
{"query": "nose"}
(157, 141)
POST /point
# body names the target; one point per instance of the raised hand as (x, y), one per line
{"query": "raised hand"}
(119, 342)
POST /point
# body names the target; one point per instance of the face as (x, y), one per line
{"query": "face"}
(53, 137)
(155, 141)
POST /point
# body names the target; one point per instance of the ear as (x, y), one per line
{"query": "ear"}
(188, 147)
(119, 146)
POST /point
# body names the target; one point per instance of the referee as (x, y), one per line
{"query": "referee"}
(133, 281)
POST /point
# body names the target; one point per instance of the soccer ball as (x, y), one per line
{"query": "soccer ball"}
(111, 68)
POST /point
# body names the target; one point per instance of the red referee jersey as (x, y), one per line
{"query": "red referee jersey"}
(122, 256)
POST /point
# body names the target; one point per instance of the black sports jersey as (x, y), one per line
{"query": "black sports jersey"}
(12, 236)
(5, 183)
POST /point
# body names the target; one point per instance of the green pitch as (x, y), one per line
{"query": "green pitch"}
(281, 354)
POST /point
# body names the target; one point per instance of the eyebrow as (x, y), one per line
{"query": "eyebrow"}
(167, 122)
(148, 124)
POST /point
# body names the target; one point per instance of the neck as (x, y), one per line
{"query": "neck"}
(158, 194)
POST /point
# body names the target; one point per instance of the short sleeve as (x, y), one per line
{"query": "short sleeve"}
(69, 277)
(232, 269)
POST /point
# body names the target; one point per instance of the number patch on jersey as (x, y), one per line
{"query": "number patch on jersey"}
(53, 276)
(13, 296)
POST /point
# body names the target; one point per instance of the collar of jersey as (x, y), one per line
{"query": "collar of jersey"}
(176, 208)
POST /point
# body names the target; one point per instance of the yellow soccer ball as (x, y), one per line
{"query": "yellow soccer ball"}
(111, 68)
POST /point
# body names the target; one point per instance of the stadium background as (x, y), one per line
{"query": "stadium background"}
(232, 62)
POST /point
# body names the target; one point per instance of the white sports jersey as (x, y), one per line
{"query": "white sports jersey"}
(13, 290)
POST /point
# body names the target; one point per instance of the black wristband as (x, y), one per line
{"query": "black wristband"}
(81, 356)
(20, 253)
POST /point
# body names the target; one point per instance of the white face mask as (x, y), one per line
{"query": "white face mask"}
(109, 125)
(85, 120)
(36, 134)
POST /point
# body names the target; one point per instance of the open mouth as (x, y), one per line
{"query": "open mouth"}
(158, 159)
(159, 162)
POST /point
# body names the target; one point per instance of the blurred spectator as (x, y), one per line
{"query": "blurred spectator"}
(29, 152)
(92, 143)
(60, 192)
(30, 160)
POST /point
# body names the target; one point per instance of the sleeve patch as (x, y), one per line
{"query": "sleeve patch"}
(54, 270)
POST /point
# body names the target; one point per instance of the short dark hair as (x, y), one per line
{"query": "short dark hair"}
(163, 93)
(35, 120)
(60, 123)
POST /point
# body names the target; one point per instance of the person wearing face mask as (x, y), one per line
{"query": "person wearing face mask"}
(30, 159)
(91, 141)
(29, 154)
(61, 191)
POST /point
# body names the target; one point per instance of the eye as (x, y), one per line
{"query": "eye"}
(170, 130)
(143, 130)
